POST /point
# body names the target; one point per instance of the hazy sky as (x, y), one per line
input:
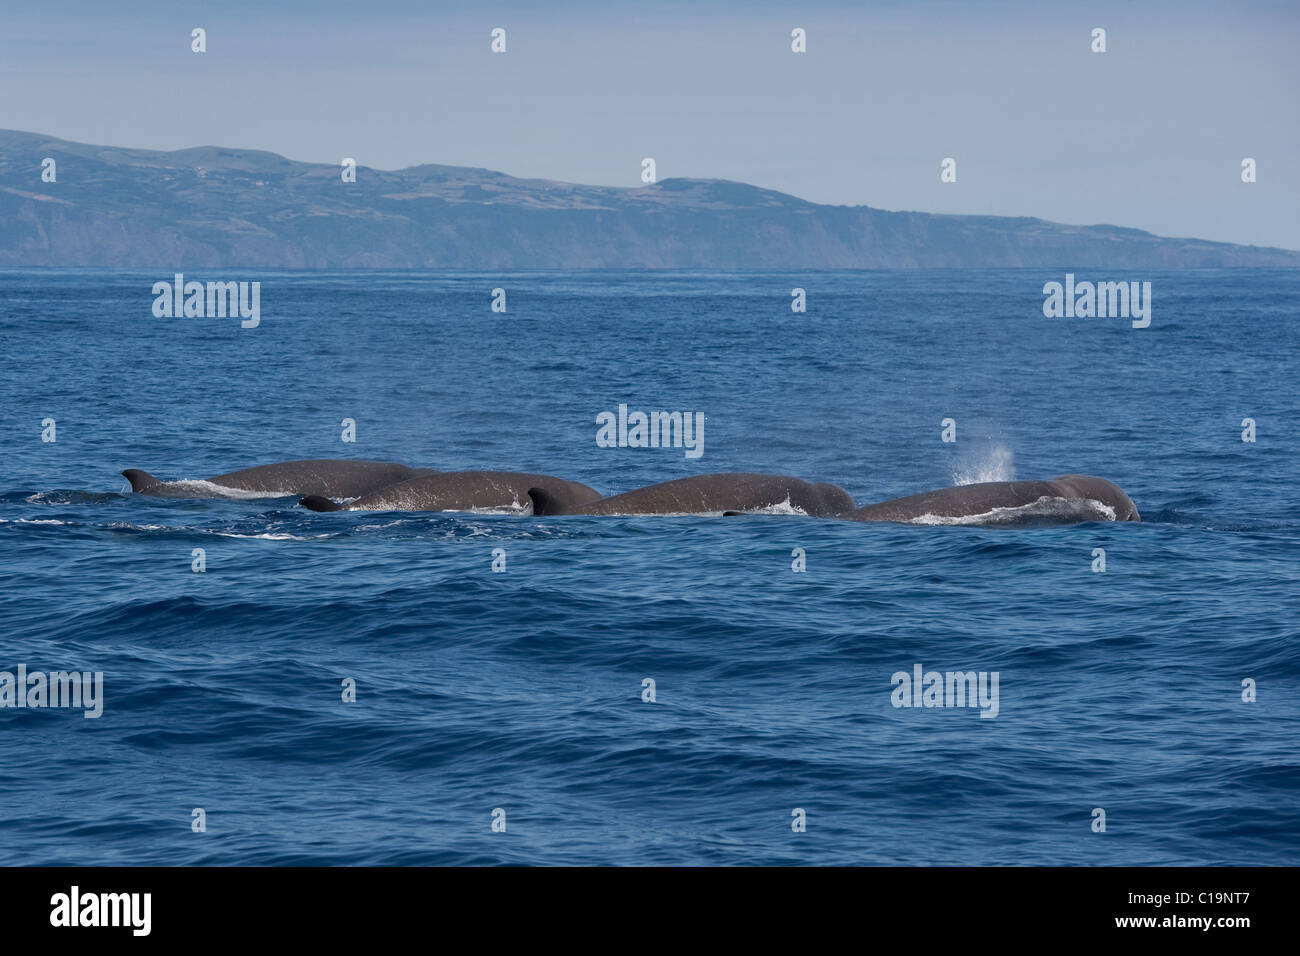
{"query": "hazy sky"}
(1150, 134)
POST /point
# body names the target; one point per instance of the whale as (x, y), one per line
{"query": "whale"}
(461, 491)
(335, 478)
(1065, 499)
(702, 494)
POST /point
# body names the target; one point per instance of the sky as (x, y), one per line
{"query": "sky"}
(1150, 134)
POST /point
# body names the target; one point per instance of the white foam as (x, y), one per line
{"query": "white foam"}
(414, 506)
(1047, 509)
(663, 514)
(269, 536)
(208, 489)
(513, 508)
(780, 508)
(265, 536)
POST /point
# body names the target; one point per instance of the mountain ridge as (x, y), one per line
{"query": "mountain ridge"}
(215, 207)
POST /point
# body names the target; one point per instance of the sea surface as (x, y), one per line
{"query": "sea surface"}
(519, 695)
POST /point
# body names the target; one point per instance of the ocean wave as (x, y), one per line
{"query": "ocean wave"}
(62, 496)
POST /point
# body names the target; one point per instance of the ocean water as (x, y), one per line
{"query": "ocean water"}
(522, 690)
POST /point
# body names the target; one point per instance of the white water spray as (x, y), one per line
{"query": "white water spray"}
(991, 463)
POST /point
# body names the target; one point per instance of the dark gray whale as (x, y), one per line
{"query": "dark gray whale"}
(317, 476)
(461, 491)
(1064, 500)
(707, 493)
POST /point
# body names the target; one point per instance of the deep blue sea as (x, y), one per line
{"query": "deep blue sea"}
(522, 690)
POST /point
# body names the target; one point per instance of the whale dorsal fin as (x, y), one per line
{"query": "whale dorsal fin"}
(140, 479)
(545, 503)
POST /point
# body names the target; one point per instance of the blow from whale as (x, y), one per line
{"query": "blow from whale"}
(317, 476)
(462, 491)
(1063, 500)
(702, 494)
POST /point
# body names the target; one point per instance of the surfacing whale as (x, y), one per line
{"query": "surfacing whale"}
(461, 491)
(1064, 500)
(739, 492)
(317, 476)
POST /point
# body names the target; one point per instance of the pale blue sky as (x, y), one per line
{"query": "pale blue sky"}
(1150, 134)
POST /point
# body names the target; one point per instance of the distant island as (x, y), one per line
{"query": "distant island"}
(212, 207)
